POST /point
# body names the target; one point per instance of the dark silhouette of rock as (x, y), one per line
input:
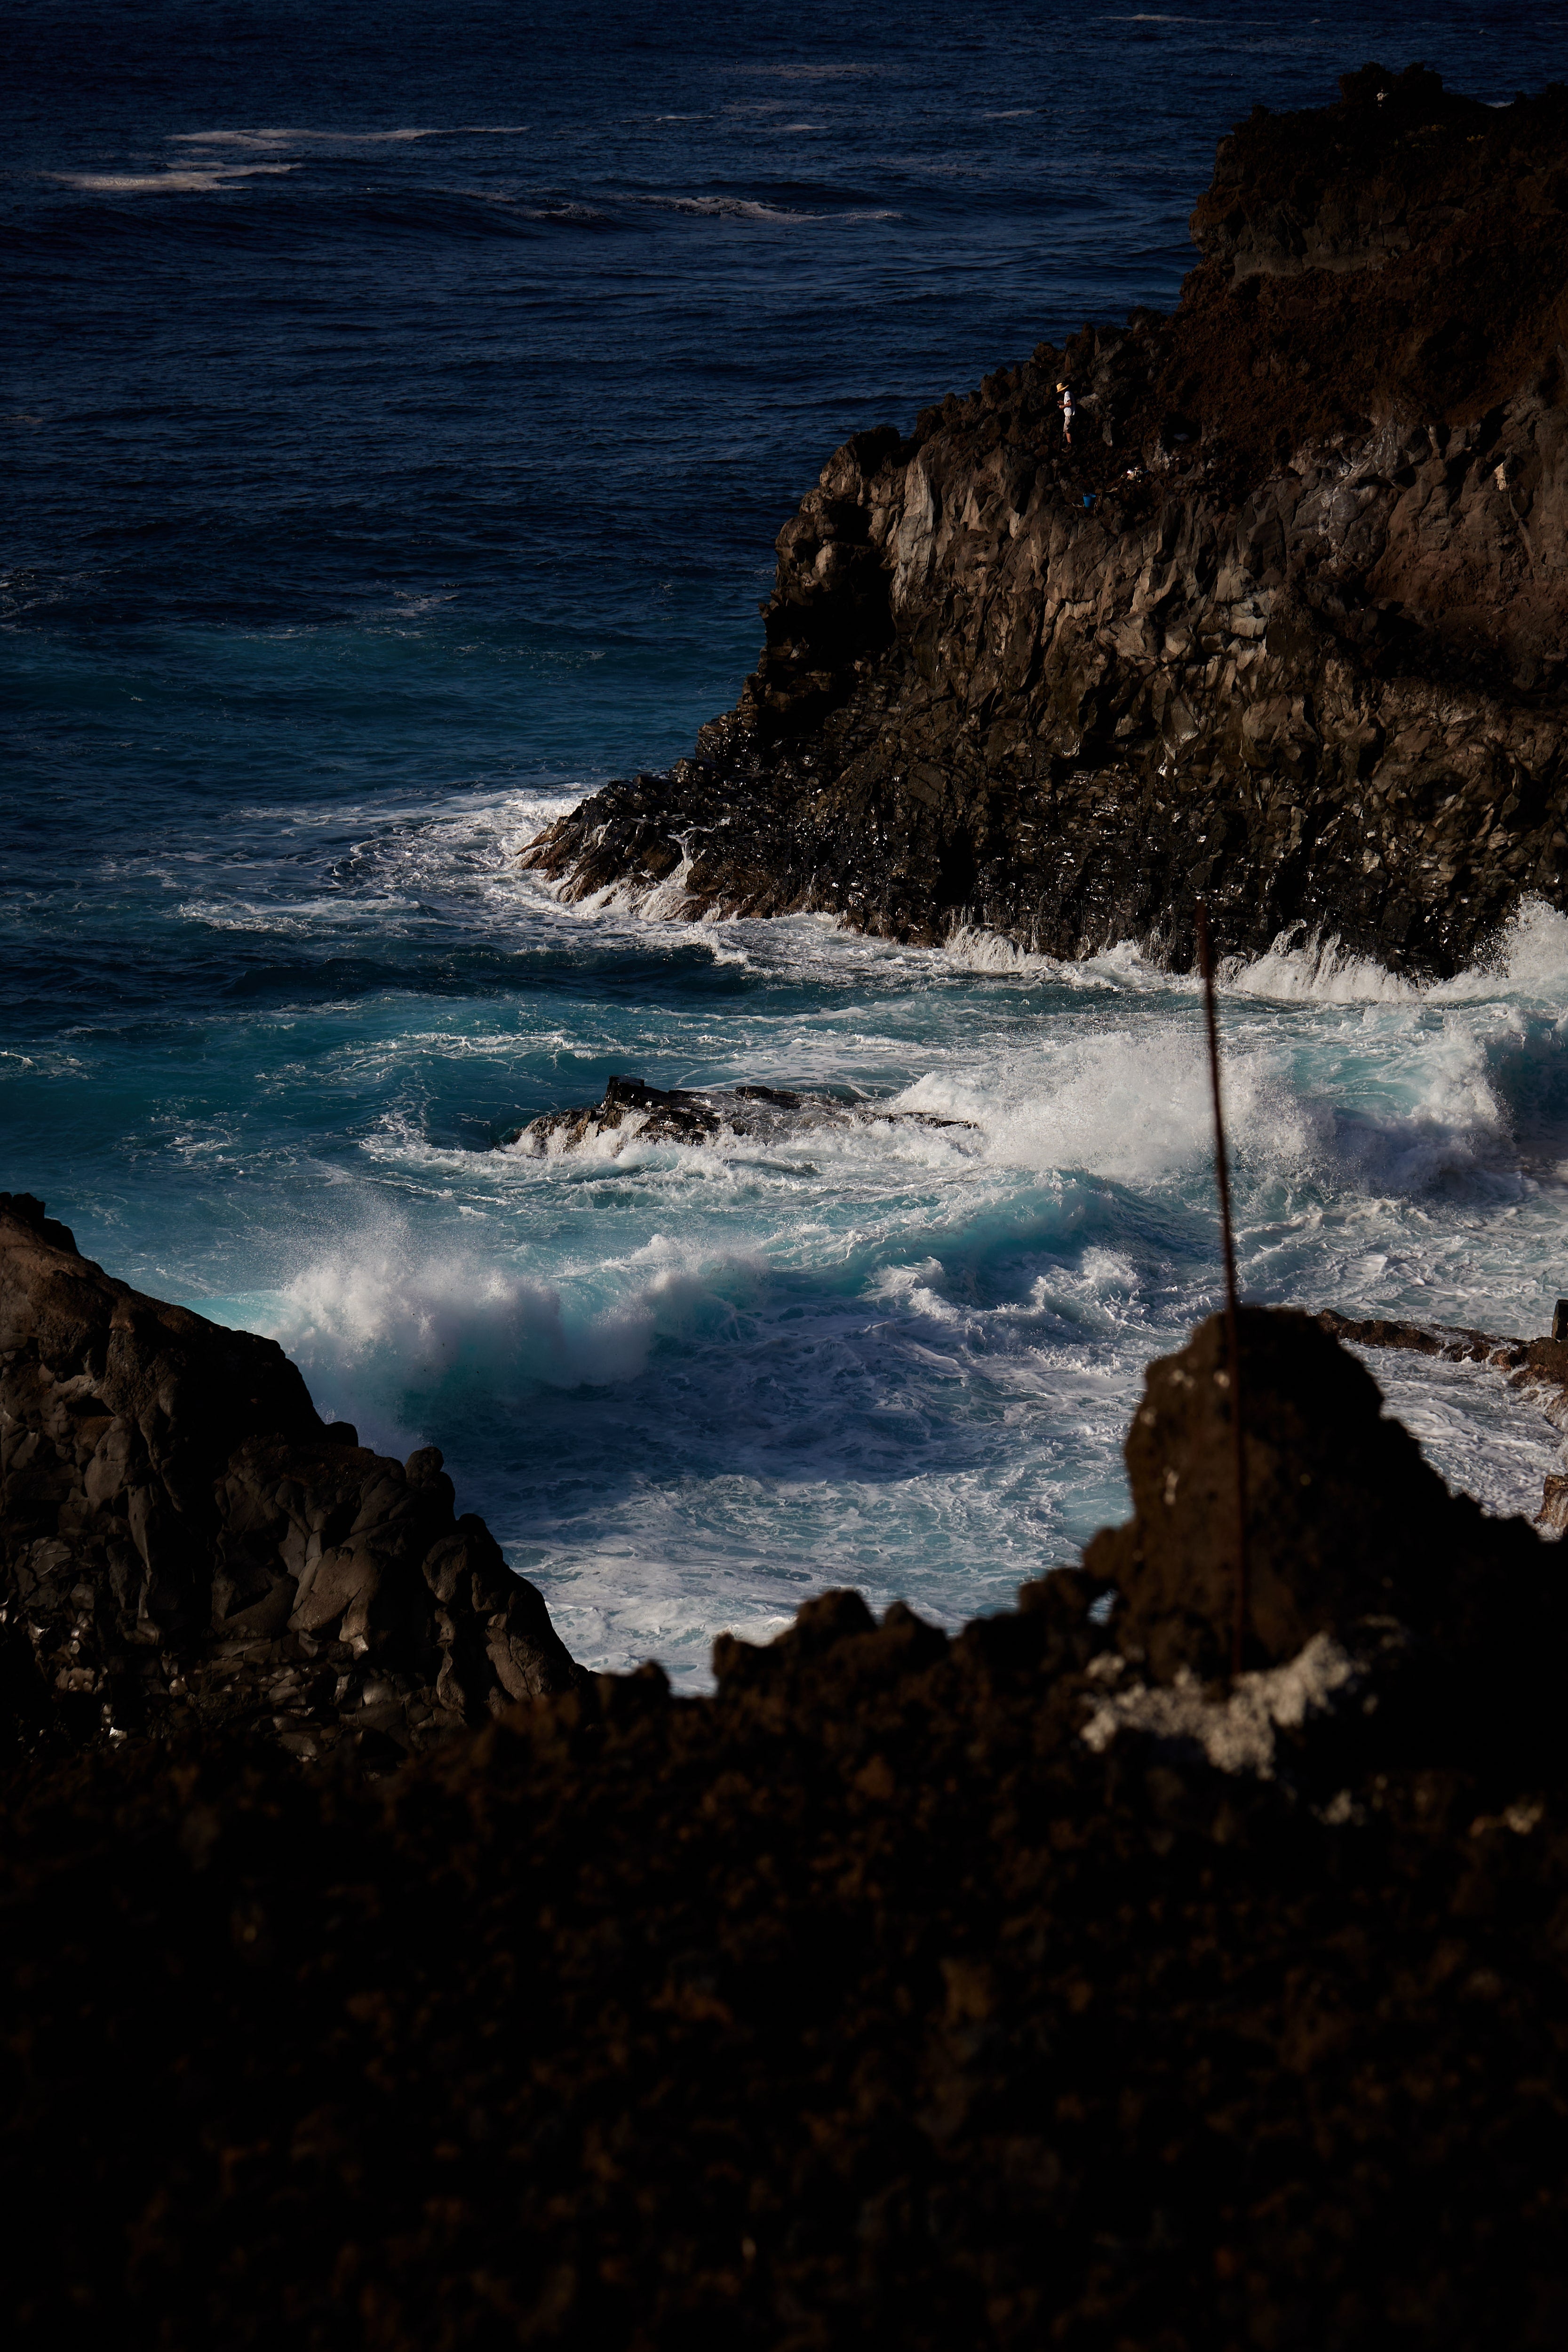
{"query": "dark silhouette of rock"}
(1285, 629)
(1538, 1366)
(992, 1991)
(1349, 1529)
(660, 1115)
(182, 1537)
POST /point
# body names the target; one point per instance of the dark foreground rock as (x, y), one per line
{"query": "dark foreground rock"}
(634, 1112)
(1023, 1989)
(183, 1540)
(1285, 628)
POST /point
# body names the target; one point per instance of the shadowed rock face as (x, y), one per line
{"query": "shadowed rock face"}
(181, 1536)
(1286, 628)
(1349, 1529)
(1537, 1366)
(994, 1991)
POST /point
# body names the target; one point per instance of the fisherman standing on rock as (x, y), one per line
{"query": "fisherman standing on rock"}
(1067, 409)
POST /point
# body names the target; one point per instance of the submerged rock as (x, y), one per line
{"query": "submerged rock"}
(1286, 628)
(632, 1111)
(183, 1540)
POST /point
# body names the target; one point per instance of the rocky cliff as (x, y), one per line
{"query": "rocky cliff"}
(1014, 1990)
(183, 1540)
(1284, 628)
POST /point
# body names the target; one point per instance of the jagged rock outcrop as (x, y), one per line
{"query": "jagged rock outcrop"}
(992, 1991)
(1353, 1538)
(1286, 627)
(183, 1539)
(1538, 1366)
(634, 1112)
(656, 1114)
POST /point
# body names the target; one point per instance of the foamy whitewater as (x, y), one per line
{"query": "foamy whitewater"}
(689, 1386)
(396, 476)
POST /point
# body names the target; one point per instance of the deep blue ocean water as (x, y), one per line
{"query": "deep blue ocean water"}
(398, 410)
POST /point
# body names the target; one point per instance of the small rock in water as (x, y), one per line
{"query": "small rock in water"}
(678, 1115)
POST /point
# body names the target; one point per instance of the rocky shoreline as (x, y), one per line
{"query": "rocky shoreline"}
(376, 1978)
(1045, 1983)
(1284, 628)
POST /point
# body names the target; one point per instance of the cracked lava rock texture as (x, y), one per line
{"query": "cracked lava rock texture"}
(1284, 629)
(1036, 1986)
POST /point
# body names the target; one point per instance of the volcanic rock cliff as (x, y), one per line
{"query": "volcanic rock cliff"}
(1284, 628)
(183, 1540)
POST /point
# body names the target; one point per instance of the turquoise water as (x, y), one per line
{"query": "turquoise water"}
(378, 494)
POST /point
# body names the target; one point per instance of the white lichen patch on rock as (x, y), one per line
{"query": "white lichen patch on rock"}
(1236, 1733)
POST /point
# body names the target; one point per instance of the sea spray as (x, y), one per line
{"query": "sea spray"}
(324, 597)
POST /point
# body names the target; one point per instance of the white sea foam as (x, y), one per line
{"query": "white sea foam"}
(969, 949)
(301, 138)
(561, 212)
(728, 209)
(688, 1386)
(1319, 971)
(1484, 1437)
(306, 919)
(1531, 959)
(1127, 1105)
(377, 1306)
(617, 1602)
(158, 184)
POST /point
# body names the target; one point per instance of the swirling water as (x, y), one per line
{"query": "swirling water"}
(399, 411)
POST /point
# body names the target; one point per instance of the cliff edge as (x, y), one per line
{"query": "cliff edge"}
(1284, 628)
(185, 1543)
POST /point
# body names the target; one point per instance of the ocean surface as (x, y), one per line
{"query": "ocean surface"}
(398, 410)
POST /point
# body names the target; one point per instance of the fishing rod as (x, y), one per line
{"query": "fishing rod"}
(1232, 1318)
